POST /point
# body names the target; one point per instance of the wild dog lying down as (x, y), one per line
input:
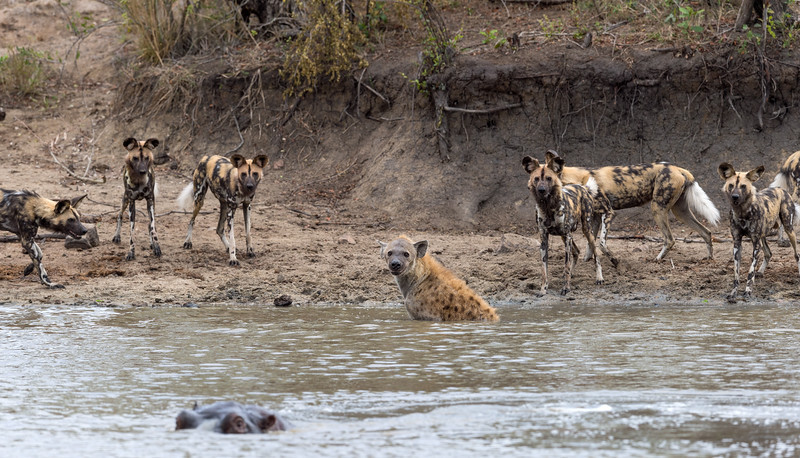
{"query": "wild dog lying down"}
(788, 178)
(665, 186)
(559, 208)
(234, 183)
(23, 212)
(140, 182)
(431, 292)
(754, 214)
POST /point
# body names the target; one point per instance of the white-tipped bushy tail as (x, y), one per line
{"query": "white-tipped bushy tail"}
(796, 213)
(591, 185)
(781, 181)
(701, 205)
(155, 190)
(186, 199)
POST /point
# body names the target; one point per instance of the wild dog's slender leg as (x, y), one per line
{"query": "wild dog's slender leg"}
(125, 202)
(232, 249)
(662, 219)
(132, 215)
(751, 273)
(200, 187)
(737, 261)
(592, 248)
(223, 213)
(788, 224)
(767, 256)
(569, 261)
(35, 254)
(543, 248)
(246, 210)
(684, 214)
(151, 209)
(605, 224)
(595, 228)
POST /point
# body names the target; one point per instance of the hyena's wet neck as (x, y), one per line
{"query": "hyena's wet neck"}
(411, 278)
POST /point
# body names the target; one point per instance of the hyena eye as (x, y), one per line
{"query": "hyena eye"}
(389, 253)
(405, 253)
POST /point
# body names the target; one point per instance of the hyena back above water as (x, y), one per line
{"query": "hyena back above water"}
(139, 180)
(233, 181)
(665, 186)
(24, 212)
(431, 291)
(754, 214)
(559, 209)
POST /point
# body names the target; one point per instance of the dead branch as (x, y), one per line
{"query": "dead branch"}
(483, 111)
(70, 172)
(369, 88)
(241, 139)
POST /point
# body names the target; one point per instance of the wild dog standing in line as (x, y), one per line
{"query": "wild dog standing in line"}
(431, 292)
(234, 183)
(665, 186)
(754, 214)
(140, 182)
(559, 208)
(23, 212)
(788, 178)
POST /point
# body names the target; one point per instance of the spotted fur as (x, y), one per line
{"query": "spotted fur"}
(24, 212)
(788, 178)
(753, 214)
(139, 180)
(666, 187)
(432, 292)
(233, 181)
(559, 209)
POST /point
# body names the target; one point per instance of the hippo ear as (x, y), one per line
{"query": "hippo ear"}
(76, 200)
(238, 160)
(383, 247)
(530, 164)
(62, 206)
(422, 248)
(266, 423)
(151, 143)
(725, 171)
(130, 143)
(755, 174)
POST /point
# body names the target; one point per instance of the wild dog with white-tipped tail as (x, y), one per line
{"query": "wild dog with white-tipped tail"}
(753, 214)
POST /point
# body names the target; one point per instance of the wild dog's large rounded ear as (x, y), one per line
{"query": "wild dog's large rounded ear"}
(422, 248)
(755, 174)
(62, 206)
(556, 164)
(238, 160)
(383, 247)
(76, 200)
(726, 171)
(550, 155)
(530, 164)
(261, 160)
(151, 143)
(130, 143)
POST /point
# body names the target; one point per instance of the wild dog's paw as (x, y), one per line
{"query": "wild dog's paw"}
(55, 286)
(157, 251)
(233, 262)
(564, 291)
(187, 245)
(130, 256)
(115, 239)
(28, 269)
(251, 253)
(599, 282)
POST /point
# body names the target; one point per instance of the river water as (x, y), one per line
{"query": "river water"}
(564, 380)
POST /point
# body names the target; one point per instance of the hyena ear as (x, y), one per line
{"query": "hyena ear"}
(556, 164)
(422, 248)
(238, 160)
(261, 160)
(383, 247)
(755, 174)
(62, 206)
(151, 143)
(76, 200)
(530, 164)
(130, 143)
(726, 171)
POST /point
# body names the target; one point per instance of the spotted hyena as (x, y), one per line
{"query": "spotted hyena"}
(431, 292)
(559, 210)
(754, 214)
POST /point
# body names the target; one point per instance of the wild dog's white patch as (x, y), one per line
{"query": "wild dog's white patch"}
(781, 181)
(700, 204)
(591, 185)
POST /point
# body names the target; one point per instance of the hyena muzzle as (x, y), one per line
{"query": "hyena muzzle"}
(754, 214)
(139, 180)
(233, 181)
(24, 212)
(559, 209)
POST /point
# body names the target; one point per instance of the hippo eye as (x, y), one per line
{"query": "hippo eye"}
(389, 253)
(405, 253)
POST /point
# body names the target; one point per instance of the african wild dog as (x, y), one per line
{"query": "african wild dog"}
(559, 208)
(139, 180)
(431, 291)
(754, 214)
(24, 212)
(788, 178)
(234, 183)
(665, 186)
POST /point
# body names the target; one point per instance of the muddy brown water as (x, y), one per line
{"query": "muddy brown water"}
(560, 380)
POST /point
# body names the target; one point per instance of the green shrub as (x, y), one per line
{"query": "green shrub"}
(23, 71)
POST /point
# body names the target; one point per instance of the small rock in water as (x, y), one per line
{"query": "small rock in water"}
(283, 301)
(89, 240)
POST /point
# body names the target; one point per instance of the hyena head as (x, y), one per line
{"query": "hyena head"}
(249, 171)
(545, 180)
(64, 218)
(739, 185)
(140, 154)
(401, 254)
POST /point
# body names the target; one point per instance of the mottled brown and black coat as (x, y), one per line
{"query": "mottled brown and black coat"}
(666, 187)
(559, 209)
(24, 212)
(139, 179)
(431, 292)
(788, 178)
(233, 181)
(754, 214)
